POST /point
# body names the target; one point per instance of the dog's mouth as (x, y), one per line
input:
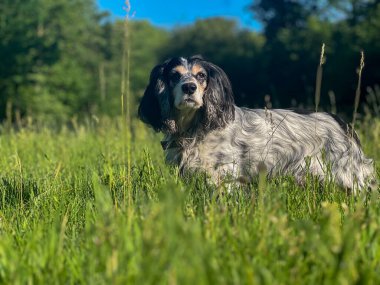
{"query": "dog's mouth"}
(189, 100)
(190, 103)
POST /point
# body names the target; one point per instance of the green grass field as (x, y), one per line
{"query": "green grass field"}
(73, 212)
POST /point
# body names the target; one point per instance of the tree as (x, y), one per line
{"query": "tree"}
(63, 58)
(49, 63)
(295, 31)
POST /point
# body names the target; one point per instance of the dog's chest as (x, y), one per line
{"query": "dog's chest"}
(211, 153)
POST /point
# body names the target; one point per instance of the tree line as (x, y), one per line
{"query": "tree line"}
(64, 58)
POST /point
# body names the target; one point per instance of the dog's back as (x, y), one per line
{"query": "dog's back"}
(286, 141)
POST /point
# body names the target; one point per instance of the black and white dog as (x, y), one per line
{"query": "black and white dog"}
(191, 101)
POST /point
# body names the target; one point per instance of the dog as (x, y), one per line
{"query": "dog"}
(191, 101)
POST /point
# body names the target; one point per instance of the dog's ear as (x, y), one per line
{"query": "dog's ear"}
(156, 107)
(218, 100)
(149, 110)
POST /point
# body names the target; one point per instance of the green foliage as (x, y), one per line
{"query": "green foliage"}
(294, 33)
(49, 60)
(53, 69)
(68, 214)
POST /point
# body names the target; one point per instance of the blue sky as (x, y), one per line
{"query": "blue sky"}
(171, 13)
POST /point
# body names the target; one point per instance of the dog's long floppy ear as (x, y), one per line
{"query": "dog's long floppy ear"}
(218, 100)
(150, 110)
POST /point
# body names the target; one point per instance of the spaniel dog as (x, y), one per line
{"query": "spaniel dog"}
(190, 100)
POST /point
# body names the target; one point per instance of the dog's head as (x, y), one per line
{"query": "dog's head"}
(187, 93)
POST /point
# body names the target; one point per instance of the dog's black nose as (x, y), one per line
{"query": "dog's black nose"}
(189, 88)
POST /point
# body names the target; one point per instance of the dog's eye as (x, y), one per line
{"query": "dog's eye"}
(175, 76)
(201, 76)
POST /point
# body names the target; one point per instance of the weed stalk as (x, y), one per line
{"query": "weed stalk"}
(125, 104)
(318, 79)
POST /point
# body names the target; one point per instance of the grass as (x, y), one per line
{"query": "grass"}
(66, 217)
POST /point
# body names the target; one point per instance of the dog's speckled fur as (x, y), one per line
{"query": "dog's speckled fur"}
(206, 131)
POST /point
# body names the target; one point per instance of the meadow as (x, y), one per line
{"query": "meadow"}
(88, 199)
(95, 204)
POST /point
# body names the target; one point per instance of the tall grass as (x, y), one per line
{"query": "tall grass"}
(63, 218)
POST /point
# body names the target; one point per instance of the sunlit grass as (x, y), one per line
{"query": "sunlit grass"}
(63, 220)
